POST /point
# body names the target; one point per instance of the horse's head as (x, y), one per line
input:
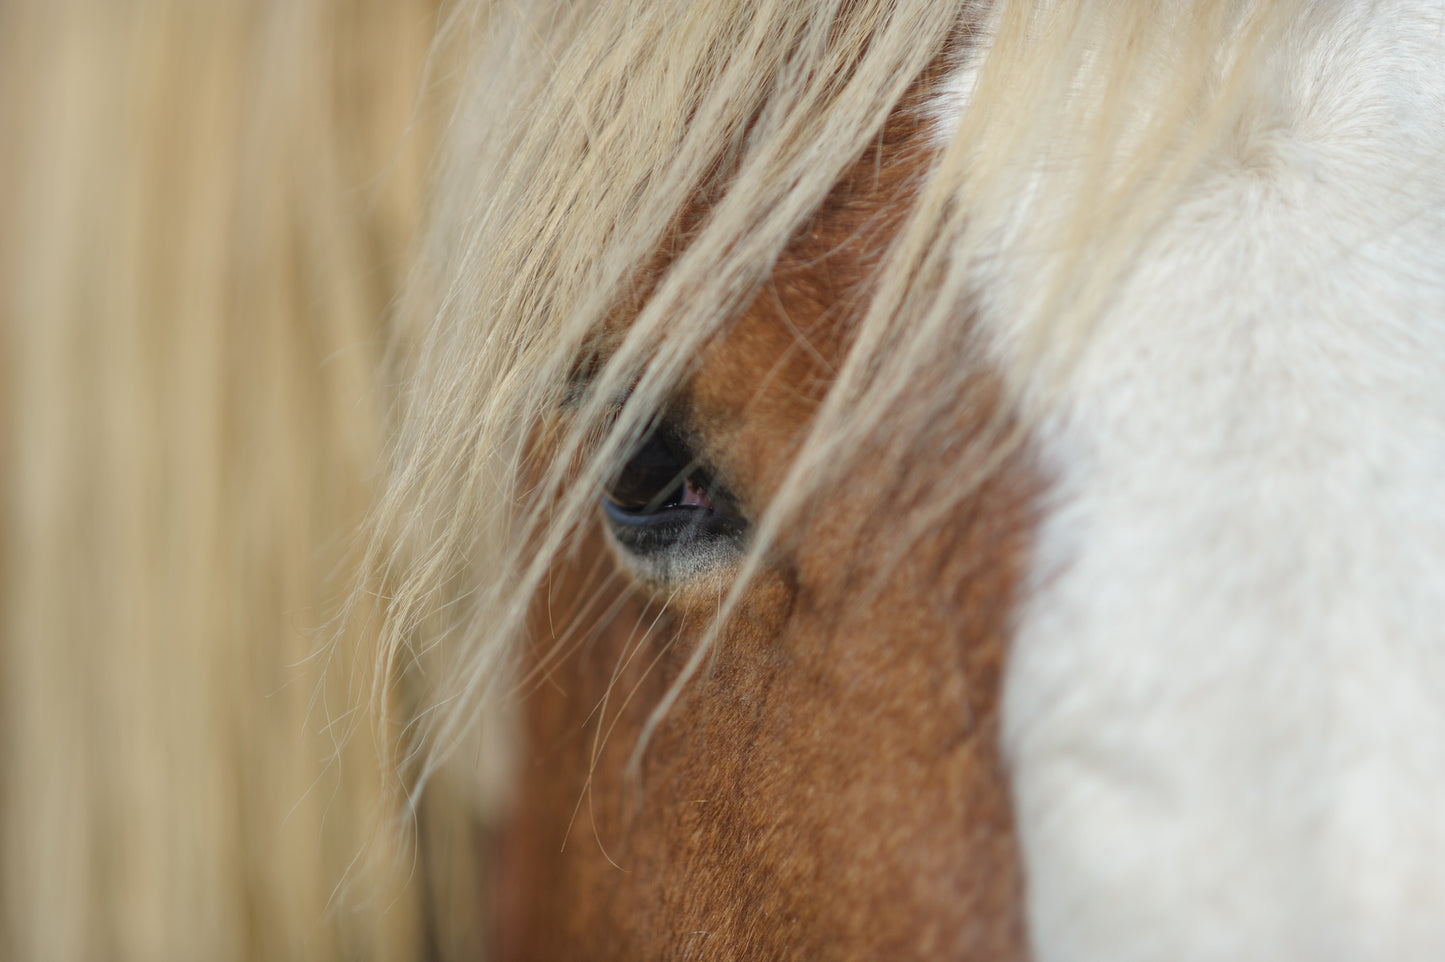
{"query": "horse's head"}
(943, 480)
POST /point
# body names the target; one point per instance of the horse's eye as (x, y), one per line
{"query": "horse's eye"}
(668, 514)
(655, 479)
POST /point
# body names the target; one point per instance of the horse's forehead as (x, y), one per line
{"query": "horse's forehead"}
(759, 385)
(1223, 687)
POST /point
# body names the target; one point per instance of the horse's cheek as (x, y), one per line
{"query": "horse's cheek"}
(829, 788)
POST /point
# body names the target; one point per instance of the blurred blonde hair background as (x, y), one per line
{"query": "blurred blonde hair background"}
(205, 211)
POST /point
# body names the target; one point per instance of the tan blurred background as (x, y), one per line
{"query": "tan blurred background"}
(206, 208)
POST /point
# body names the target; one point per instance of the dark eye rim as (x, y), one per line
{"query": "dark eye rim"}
(671, 529)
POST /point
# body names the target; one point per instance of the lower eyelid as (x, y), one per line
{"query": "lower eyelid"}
(675, 551)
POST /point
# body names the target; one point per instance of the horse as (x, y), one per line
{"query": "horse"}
(860, 479)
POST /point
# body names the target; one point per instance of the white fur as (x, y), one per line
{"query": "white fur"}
(1225, 706)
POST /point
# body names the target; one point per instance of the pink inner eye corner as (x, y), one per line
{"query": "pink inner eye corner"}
(694, 496)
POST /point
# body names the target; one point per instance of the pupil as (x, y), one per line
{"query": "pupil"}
(652, 480)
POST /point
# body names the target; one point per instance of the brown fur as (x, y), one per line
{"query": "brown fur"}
(831, 787)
